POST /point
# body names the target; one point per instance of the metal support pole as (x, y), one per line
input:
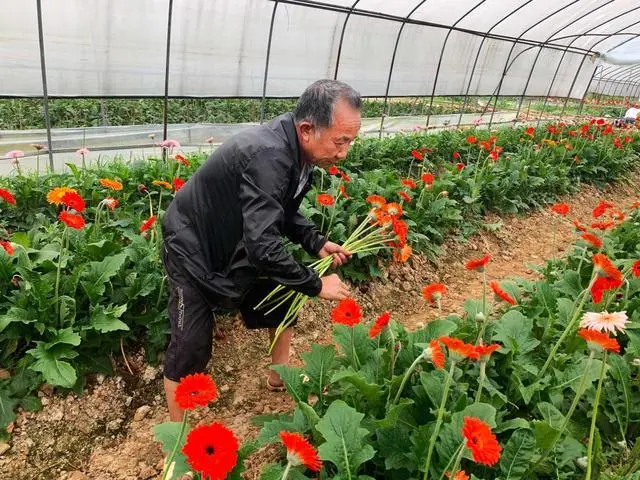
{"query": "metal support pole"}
(45, 91)
(266, 63)
(165, 120)
(344, 28)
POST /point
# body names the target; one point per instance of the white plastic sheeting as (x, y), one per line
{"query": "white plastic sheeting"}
(219, 47)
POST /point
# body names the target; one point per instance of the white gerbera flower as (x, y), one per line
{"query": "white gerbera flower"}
(605, 322)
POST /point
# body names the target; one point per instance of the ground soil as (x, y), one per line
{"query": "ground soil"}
(106, 434)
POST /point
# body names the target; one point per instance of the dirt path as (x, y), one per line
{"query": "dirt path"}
(107, 433)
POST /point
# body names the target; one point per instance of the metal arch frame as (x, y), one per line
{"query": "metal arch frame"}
(344, 29)
(618, 79)
(266, 62)
(535, 61)
(575, 78)
(165, 118)
(506, 68)
(444, 46)
(555, 75)
(45, 91)
(393, 61)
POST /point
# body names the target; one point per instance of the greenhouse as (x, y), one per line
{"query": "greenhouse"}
(341, 239)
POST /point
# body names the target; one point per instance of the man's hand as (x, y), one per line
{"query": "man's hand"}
(333, 288)
(340, 255)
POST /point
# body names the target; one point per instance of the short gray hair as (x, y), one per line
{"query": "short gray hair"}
(316, 103)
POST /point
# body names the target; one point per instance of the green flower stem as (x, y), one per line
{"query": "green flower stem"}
(176, 447)
(392, 363)
(436, 432)
(324, 209)
(63, 241)
(406, 377)
(356, 360)
(568, 328)
(456, 465)
(594, 416)
(612, 295)
(285, 474)
(481, 380)
(483, 326)
(567, 418)
(459, 452)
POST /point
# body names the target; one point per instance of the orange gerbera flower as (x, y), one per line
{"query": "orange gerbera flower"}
(182, 159)
(381, 322)
(435, 354)
(409, 183)
(605, 267)
(635, 268)
(7, 196)
(393, 209)
(434, 292)
(485, 351)
(478, 264)
(54, 197)
(348, 313)
(71, 220)
(325, 199)
(471, 139)
(599, 341)
(495, 286)
(592, 239)
(403, 254)
(162, 183)
(376, 200)
(603, 284)
(560, 209)
(300, 452)
(460, 349)
(483, 444)
(461, 475)
(579, 227)
(635, 205)
(401, 230)
(148, 223)
(530, 131)
(112, 184)
(7, 247)
(404, 196)
(195, 390)
(603, 225)
(428, 178)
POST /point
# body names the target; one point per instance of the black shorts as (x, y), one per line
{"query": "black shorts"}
(192, 318)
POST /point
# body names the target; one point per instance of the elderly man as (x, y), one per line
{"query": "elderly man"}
(223, 232)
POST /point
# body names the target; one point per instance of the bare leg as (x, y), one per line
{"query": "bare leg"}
(175, 412)
(280, 353)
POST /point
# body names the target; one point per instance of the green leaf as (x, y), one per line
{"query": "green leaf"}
(21, 238)
(31, 403)
(433, 383)
(438, 328)
(67, 309)
(513, 330)
(55, 371)
(106, 319)
(517, 455)
(545, 434)
(483, 411)
(309, 413)
(565, 311)
(16, 315)
(551, 414)
(622, 375)
(292, 378)
(395, 411)
(371, 391)
(168, 434)
(513, 424)
(274, 471)
(271, 429)
(65, 336)
(97, 274)
(99, 250)
(318, 365)
(246, 449)
(345, 444)
(363, 346)
(6, 409)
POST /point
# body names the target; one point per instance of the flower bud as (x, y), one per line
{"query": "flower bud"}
(480, 317)
(636, 362)
(142, 188)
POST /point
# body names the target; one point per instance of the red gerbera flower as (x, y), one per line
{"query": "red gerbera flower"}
(211, 450)
(530, 131)
(478, 264)
(485, 351)
(409, 183)
(73, 200)
(393, 209)
(7, 247)
(344, 177)
(605, 267)
(148, 224)
(434, 292)
(579, 227)
(110, 202)
(603, 225)
(560, 209)
(71, 220)
(401, 230)
(471, 139)
(7, 196)
(348, 313)
(456, 155)
(428, 178)
(381, 322)
(300, 452)
(495, 286)
(494, 155)
(435, 354)
(376, 200)
(601, 208)
(601, 285)
(404, 196)
(178, 183)
(195, 390)
(592, 239)
(343, 192)
(325, 199)
(333, 170)
(483, 444)
(461, 349)
(459, 166)
(417, 155)
(599, 341)
(635, 268)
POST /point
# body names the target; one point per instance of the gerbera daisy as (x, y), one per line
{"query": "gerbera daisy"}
(148, 223)
(471, 139)
(110, 202)
(434, 353)
(560, 209)
(170, 144)
(71, 220)
(112, 184)
(483, 444)
(530, 131)
(603, 284)
(603, 225)
(403, 254)
(325, 199)
(333, 170)
(401, 230)
(495, 286)
(345, 178)
(417, 155)
(459, 166)
(376, 200)
(162, 183)
(7, 247)
(605, 267)
(456, 155)
(598, 341)
(211, 450)
(478, 264)
(54, 196)
(73, 200)
(393, 209)
(604, 321)
(592, 239)
(195, 390)
(601, 208)
(343, 192)
(178, 183)
(7, 196)
(300, 452)
(404, 196)
(182, 159)
(459, 349)
(428, 178)
(409, 183)
(347, 312)
(433, 292)
(381, 322)
(14, 154)
(461, 475)
(635, 268)
(485, 351)
(83, 152)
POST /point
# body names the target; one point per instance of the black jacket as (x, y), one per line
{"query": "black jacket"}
(224, 227)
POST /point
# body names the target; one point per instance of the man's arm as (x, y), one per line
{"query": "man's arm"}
(300, 230)
(263, 183)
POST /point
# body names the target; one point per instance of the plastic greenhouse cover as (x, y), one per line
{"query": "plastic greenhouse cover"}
(219, 47)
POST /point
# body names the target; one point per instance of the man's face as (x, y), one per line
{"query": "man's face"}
(329, 146)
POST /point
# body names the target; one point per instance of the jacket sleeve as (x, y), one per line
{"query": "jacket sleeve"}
(302, 231)
(264, 182)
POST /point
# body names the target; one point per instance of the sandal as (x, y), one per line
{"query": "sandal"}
(275, 388)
